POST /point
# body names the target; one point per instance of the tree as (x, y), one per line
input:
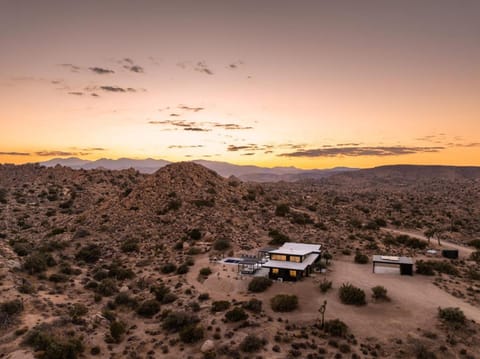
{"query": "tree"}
(429, 233)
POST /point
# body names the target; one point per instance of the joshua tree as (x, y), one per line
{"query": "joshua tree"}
(429, 233)
(322, 310)
(327, 256)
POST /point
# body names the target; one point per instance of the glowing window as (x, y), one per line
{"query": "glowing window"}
(279, 257)
(275, 270)
(293, 273)
(295, 259)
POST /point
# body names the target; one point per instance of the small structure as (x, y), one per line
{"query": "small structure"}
(450, 253)
(292, 261)
(405, 263)
(249, 265)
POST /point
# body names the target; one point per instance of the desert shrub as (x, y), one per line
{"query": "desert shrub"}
(473, 274)
(26, 287)
(95, 350)
(38, 262)
(183, 269)
(236, 314)
(410, 242)
(130, 245)
(126, 300)
(191, 333)
(107, 287)
(204, 202)
(81, 233)
(452, 316)
(336, 328)
(325, 286)
(351, 295)
(176, 321)
(253, 305)
(428, 267)
(475, 256)
(148, 308)
(346, 252)
(284, 303)
(203, 296)
(424, 267)
(194, 251)
(221, 244)
(118, 271)
(252, 344)
(301, 218)
(379, 293)
(178, 246)
(169, 298)
(361, 258)
(278, 238)
(117, 330)
(282, 209)
(168, 268)
(58, 278)
(9, 310)
(76, 312)
(22, 248)
(160, 292)
(220, 306)
(89, 254)
(475, 243)
(195, 234)
(50, 346)
(259, 284)
(205, 271)
(3, 195)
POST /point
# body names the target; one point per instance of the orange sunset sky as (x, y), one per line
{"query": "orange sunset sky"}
(312, 84)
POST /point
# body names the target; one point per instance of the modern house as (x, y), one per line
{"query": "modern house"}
(292, 261)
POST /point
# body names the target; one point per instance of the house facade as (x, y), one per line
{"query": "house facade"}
(292, 261)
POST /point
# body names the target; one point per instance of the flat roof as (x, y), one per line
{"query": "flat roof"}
(392, 260)
(299, 249)
(293, 265)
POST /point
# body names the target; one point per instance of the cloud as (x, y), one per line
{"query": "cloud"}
(189, 108)
(177, 123)
(232, 126)
(202, 67)
(7, 153)
(57, 153)
(175, 115)
(76, 93)
(71, 67)
(130, 65)
(101, 70)
(196, 129)
(117, 89)
(181, 147)
(357, 151)
(235, 65)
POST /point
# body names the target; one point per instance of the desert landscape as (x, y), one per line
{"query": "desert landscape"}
(121, 264)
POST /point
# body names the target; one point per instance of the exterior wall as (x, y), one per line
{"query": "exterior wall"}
(285, 274)
(288, 256)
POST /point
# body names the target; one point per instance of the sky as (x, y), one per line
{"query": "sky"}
(312, 84)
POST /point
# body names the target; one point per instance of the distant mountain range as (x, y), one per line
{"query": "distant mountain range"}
(225, 169)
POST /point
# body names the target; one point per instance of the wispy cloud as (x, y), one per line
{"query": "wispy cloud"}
(202, 67)
(117, 89)
(101, 70)
(232, 126)
(187, 146)
(196, 129)
(8, 153)
(199, 126)
(357, 151)
(57, 153)
(71, 67)
(130, 65)
(76, 93)
(190, 108)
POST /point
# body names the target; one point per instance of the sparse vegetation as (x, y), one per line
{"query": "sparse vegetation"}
(221, 244)
(379, 293)
(452, 316)
(336, 328)
(351, 295)
(252, 344)
(284, 303)
(361, 258)
(259, 284)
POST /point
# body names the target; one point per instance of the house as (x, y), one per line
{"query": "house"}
(292, 261)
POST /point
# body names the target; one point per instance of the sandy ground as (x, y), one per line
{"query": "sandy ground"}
(414, 299)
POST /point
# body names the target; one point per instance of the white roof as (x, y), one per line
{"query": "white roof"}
(292, 265)
(299, 249)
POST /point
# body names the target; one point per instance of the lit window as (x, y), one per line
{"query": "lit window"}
(279, 257)
(293, 273)
(275, 270)
(295, 259)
